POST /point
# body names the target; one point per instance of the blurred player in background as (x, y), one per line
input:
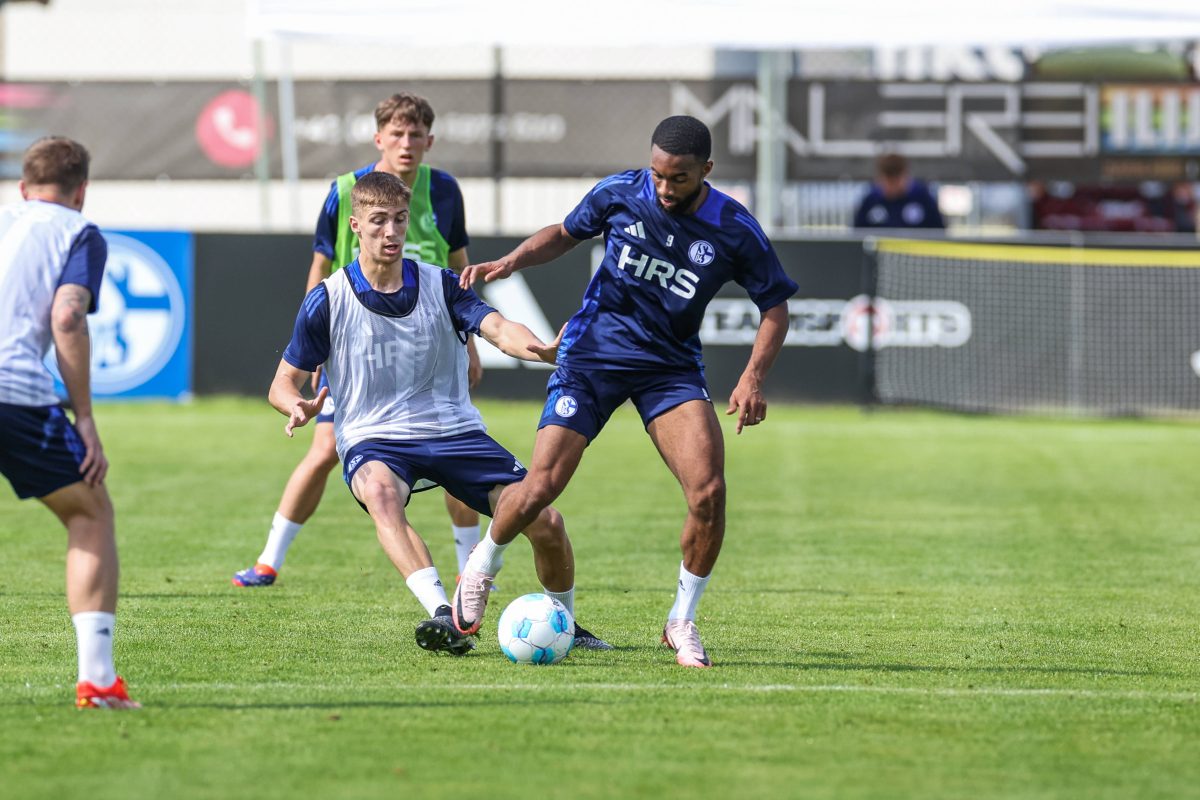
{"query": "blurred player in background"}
(51, 265)
(896, 199)
(388, 330)
(437, 235)
(671, 241)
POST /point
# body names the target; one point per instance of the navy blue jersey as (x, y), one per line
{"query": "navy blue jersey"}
(444, 194)
(916, 208)
(309, 346)
(645, 303)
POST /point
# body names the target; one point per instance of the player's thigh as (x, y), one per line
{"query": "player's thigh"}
(557, 452)
(324, 443)
(379, 489)
(689, 439)
(79, 500)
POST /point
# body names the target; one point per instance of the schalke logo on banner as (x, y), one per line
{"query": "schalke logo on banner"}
(141, 343)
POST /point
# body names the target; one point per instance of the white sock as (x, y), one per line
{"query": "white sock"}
(487, 556)
(567, 598)
(687, 596)
(464, 539)
(427, 586)
(94, 635)
(283, 531)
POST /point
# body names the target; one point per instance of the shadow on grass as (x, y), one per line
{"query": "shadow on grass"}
(321, 705)
(659, 590)
(943, 669)
(473, 700)
(844, 662)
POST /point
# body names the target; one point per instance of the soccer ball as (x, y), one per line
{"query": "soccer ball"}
(536, 629)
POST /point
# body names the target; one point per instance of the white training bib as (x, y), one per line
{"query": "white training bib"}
(35, 242)
(397, 377)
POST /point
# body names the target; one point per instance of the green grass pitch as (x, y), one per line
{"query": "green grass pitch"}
(908, 604)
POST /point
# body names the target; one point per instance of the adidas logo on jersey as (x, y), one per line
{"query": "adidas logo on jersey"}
(636, 229)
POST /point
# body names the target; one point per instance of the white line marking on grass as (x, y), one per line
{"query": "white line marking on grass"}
(971, 691)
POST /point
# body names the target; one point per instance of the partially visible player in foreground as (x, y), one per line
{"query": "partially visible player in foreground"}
(437, 234)
(51, 264)
(388, 330)
(671, 241)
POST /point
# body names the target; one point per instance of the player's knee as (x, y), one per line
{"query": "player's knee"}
(553, 522)
(538, 492)
(376, 495)
(86, 505)
(708, 499)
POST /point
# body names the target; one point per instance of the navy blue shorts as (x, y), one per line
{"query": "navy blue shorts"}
(468, 466)
(40, 450)
(327, 410)
(583, 401)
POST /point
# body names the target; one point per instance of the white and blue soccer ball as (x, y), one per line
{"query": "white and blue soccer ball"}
(536, 629)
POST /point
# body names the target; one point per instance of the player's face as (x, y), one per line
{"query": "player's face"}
(402, 146)
(381, 231)
(893, 186)
(678, 180)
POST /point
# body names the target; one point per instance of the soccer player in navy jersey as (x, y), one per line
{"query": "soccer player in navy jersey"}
(51, 267)
(671, 241)
(389, 330)
(437, 234)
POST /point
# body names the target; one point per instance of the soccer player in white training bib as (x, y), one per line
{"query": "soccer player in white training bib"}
(51, 265)
(389, 332)
(437, 234)
(671, 241)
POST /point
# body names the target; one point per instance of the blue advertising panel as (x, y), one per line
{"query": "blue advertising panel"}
(142, 330)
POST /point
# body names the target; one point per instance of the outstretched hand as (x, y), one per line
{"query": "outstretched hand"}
(304, 411)
(548, 352)
(489, 271)
(748, 402)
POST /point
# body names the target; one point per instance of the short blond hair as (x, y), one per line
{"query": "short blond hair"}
(405, 107)
(378, 189)
(56, 161)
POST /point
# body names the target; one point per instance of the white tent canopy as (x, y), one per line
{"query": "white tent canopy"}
(740, 24)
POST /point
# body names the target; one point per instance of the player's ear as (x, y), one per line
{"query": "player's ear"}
(429, 142)
(354, 226)
(707, 168)
(24, 194)
(379, 141)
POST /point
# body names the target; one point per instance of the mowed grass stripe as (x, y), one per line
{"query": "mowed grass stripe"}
(947, 691)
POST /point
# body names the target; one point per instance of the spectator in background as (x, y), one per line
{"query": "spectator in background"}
(896, 199)
(1183, 207)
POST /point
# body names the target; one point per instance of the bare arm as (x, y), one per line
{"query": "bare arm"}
(73, 348)
(546, 245)
(318, 271)
(514, 339)
(458, 262)
(285, 396)
(747, 398)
